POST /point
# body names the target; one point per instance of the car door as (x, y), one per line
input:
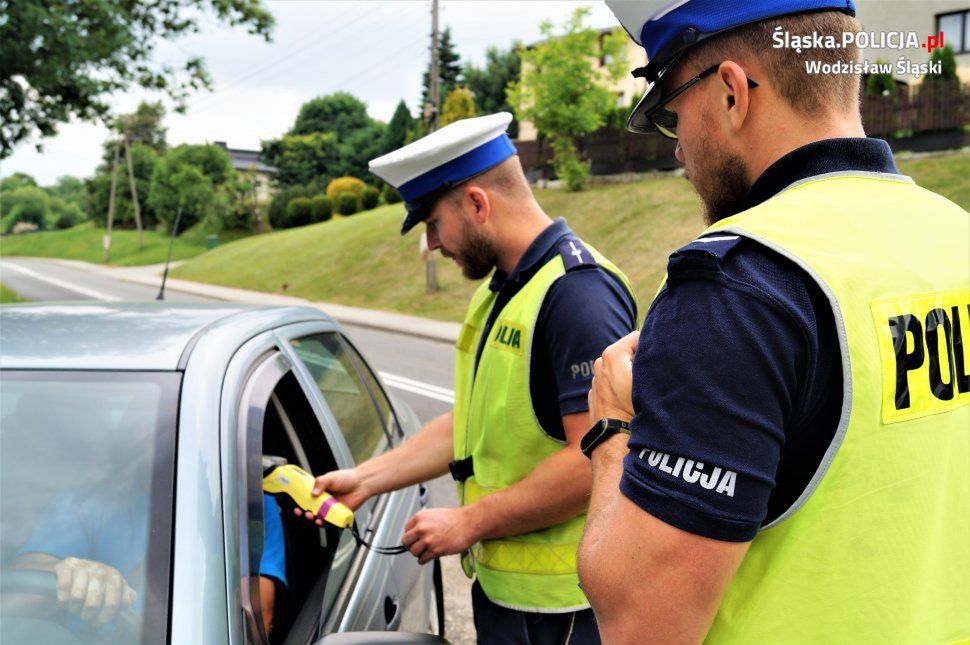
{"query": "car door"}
(369, 426)
(329, 576)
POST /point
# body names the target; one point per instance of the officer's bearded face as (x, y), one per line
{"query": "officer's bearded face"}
(718, 174)
(474, 254)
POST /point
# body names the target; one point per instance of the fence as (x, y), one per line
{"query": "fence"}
(935, 112)
(933, 106)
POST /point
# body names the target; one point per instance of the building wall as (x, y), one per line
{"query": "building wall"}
(909, 15)
(628, 90)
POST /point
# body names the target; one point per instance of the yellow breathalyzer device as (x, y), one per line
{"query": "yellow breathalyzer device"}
(298, 484)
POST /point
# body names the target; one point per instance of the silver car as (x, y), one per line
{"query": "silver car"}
(139, 431)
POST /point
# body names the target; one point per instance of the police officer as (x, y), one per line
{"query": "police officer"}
(523, 365)
(799, 465)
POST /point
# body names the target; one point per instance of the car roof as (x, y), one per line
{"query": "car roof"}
(125, 335)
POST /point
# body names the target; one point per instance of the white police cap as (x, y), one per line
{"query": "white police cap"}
(423, 170)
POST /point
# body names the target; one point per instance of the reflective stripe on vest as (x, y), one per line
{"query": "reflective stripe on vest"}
(494, 422)
(877, 549)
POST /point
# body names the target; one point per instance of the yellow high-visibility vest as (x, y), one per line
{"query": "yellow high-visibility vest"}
(877, 549)
(495, 424)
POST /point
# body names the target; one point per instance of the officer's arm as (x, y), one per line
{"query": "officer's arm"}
(647, 580)
(555, 491)
(424, 456)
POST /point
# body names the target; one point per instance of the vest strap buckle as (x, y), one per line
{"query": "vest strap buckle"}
(461, 469)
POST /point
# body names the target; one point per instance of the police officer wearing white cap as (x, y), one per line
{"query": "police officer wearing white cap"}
(523, 365)
(797, 463)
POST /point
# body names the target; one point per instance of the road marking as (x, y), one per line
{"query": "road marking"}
(84, 291)
(418, 387)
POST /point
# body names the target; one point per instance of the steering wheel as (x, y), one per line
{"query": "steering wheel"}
(44, 583)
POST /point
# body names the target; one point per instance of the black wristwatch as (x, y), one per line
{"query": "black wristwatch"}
(600, 432)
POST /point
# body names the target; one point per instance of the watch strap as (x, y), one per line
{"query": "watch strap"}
(600, 432)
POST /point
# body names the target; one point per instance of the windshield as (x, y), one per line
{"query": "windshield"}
(86, 468)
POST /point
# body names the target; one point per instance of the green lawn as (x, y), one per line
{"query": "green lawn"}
(83, 242)
(8, 296)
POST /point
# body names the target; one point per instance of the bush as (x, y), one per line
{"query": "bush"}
(321, 208)
(568, 166)
(66, 220)
(370, 198)
(390, 195)
(345, 184)
(277, 206)
(347, 204)
(298, 212)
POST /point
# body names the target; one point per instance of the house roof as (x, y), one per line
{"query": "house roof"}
(246, 159)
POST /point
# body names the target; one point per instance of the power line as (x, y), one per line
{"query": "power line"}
(232, 86)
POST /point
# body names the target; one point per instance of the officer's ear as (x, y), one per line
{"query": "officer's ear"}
(477, 204)
(734, 96)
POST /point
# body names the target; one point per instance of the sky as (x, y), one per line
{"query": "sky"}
(374, 49)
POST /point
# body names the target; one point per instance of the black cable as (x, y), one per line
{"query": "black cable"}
(382, 550)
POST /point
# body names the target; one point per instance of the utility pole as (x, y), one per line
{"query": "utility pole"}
(434, 91)
(106, 242)
(134, 193)
(434, 88)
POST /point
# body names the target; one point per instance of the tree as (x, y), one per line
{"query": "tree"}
(16, 180)
(948, 61)
(397, 130)
(339, 113)
(333, 136)
(563, 92)
(458, 105)
(60, 60)
(196, 179)
(881, 84)
(488, 84)
(98, 189)
(301, 159)
(180, 187)
(144, 125)
(25, 203)
(449, 69)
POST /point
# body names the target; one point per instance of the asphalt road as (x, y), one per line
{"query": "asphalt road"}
(418, 371)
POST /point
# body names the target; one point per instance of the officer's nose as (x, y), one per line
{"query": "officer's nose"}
(433, 242)
(679, 152)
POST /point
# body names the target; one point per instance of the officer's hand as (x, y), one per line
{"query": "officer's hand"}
(435, 532)
(610, 395)
(346, 485)
(92, 589)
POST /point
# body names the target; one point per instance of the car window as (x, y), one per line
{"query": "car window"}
(305, 564)
(353, 404)
(86, 472)
(380, 397)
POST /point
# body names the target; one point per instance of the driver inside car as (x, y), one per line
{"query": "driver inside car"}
(95, 541)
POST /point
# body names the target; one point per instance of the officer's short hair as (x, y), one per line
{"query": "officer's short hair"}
(808, 93)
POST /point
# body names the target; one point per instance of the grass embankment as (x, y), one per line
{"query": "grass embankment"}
(362, 261)
(8, 296)
(84, 242)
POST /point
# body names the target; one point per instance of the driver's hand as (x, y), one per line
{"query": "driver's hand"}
(346, 485)
(93, 590)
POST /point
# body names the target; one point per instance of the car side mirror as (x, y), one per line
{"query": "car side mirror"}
(380, 638)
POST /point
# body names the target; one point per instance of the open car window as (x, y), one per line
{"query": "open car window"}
(306, 564)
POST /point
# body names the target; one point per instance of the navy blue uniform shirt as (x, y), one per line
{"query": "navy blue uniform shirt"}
(737, 380)
(583, 313)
